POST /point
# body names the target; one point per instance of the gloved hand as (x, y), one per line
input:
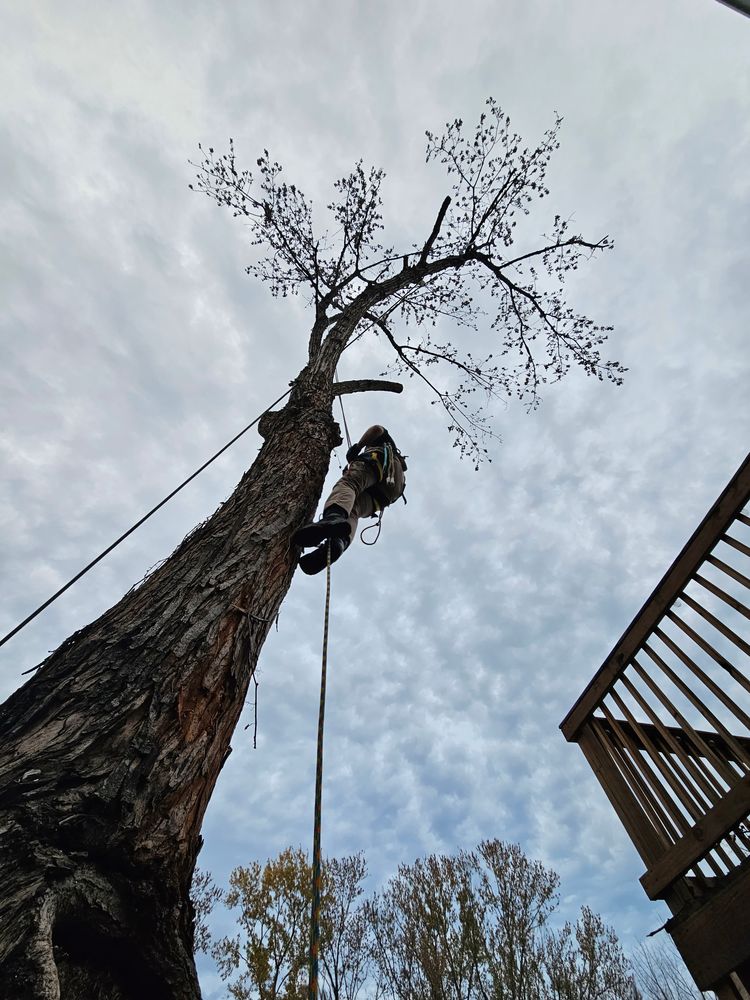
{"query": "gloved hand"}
(352, 453)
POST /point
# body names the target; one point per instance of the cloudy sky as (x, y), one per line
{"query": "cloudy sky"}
(133, 346)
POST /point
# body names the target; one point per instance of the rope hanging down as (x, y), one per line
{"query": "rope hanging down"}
(343, 416)
(312, 989)
(370, 527)
(145, 517)
(317, 865)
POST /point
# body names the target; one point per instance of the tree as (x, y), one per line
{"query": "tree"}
(270, 953)
(661, 974)
(345, 929)
(518, 895)
(476, 925)
(356, 284)
(586, 962)
(427, 931)
(268, 958)
(204, 895)
(112, 749)
(447, 927)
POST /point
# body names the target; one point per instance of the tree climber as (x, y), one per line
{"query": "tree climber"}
(371, 481)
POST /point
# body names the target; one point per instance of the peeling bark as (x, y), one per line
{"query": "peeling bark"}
(111, 751)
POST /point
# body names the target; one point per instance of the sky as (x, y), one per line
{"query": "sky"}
(134, 346)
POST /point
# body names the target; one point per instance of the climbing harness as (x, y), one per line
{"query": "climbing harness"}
(137, 524)
(382, 491)
(374, 457)
(312, 991)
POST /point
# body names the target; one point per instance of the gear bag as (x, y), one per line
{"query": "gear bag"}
(390, 466)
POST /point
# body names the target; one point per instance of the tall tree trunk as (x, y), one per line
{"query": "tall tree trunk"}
(111, 751)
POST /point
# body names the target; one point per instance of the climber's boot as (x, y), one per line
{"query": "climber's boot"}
(316, 561)
(333, 524)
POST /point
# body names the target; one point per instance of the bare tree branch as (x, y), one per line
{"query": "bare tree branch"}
(471, 264)
(434, 234)
(366, 385)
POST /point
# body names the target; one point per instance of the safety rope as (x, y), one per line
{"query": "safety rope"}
(145, 517)
(343, 416)
(371, 527)
(312, 990)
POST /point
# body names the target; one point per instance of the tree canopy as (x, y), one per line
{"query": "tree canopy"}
(466, 272)
(477, 925)
(268, 957)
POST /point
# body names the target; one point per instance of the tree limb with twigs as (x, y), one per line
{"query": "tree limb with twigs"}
(467, 273)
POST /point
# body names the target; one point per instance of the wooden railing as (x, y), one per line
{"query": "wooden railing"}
(665, 725)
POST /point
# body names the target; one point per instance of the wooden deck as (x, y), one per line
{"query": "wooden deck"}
(665, 726)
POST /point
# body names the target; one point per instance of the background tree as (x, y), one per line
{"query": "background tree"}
(661, 974)
(471, 926)
(112, 749)
(518, 896)
(204, 895)
(586, 962)
(476, 925)
(268, 957)
(345, 934)
(428, 931)
(270, 951)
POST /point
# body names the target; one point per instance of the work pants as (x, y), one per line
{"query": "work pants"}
(350, 492)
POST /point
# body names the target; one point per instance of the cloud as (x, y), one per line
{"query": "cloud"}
(134, 346)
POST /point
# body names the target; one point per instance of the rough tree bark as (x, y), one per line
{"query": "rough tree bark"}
(111, 751)
(109, 754)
